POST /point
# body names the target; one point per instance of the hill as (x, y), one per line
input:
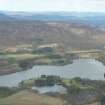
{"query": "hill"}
(96, 18)
(72, 35)
(30, 98)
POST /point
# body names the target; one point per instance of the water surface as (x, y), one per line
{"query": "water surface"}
(84, 68)
(51, 89)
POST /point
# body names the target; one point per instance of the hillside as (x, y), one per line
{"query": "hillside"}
(30, 98)
(96, 18)
(70, 35)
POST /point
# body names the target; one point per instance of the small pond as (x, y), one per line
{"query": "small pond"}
(50, 89)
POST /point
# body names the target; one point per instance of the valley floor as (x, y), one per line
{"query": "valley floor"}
(30, 98)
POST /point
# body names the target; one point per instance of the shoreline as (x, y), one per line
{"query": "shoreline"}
(3, 73)
(10, 66)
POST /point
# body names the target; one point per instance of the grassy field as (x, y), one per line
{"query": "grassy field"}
(76, 82)
(22, 56)
(26, 60)
(29, 98)
(96, 103)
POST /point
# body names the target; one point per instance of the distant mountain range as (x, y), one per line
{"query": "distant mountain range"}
(95, 18)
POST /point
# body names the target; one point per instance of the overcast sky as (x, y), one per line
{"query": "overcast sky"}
(53, 5)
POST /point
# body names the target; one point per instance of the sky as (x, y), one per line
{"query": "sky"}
(53, 5)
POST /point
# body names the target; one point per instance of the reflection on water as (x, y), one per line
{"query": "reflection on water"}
(84, 68)
(50, 89)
